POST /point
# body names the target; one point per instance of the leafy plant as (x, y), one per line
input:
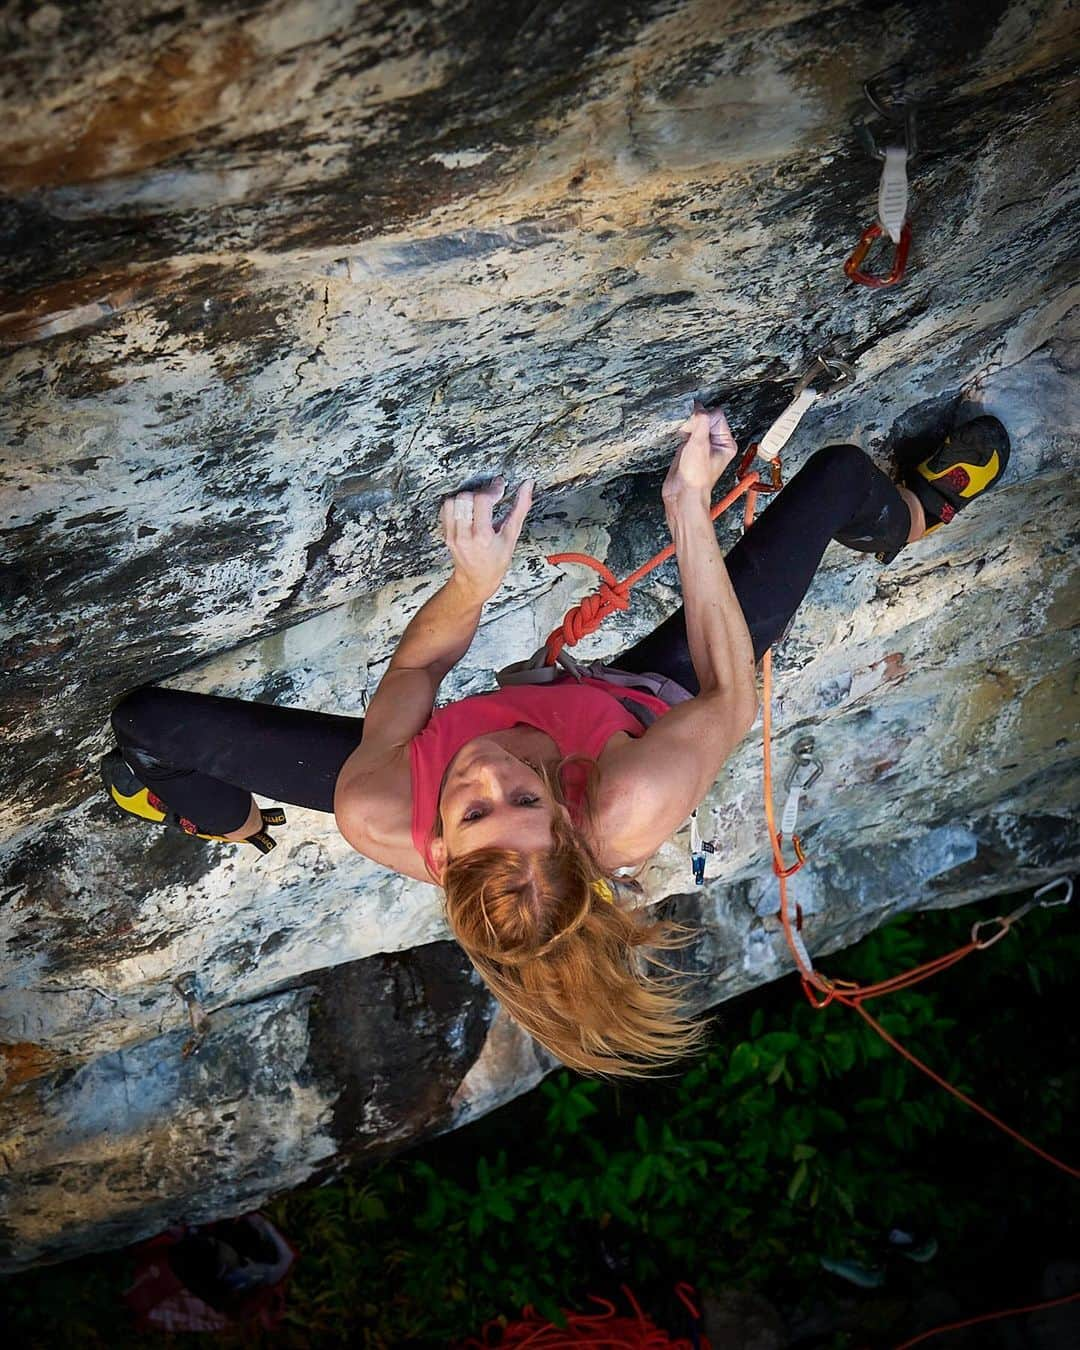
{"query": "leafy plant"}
(799, 1134)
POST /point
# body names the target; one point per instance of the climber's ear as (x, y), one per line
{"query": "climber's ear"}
(440, 857)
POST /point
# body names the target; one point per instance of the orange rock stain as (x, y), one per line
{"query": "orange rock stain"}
(20, 1061)
(136, 123)
(74, 303)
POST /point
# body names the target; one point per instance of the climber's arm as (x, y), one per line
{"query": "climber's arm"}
(721, 650)
(438, 635)
(442, 630)
(649, 786)
(373, 792)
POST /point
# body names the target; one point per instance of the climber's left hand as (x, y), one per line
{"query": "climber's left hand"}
(480, 548)
(707, 451)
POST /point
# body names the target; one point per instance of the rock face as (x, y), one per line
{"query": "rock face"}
(280, 275)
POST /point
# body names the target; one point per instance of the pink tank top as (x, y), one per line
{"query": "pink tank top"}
(579, 718)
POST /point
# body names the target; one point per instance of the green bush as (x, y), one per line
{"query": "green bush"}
(798, 1134)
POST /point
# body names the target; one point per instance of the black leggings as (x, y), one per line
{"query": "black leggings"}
(204, 755)
(840, 494)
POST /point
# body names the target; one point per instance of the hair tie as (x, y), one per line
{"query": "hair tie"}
(604, 891)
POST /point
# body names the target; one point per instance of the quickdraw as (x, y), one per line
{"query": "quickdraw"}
(796, 785)
(819, 989)
(892, 189)
(186, 986)
(1007, 922)
(830, 370)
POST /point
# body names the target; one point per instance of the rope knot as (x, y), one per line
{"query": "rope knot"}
(613, 594)
(587, 616)
(589, 613)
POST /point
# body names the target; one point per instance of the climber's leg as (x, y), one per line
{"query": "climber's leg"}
(918, 515)
(204, 756)
(839, 493)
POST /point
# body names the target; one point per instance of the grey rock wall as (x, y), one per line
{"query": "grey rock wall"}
(279, 276)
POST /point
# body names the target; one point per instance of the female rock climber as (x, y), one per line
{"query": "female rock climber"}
(522, 804)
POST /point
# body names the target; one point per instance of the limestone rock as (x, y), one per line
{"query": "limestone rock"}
(278, 277)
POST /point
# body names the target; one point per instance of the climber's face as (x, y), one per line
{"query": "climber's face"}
(492, 799)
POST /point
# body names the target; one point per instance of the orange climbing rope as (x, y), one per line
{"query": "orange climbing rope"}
(605, 1329)
(987, 1317)
(612, 594)
(854, 995)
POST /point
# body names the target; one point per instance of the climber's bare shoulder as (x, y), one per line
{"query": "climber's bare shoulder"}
(373, 809)
(373, 793)
(647, 786)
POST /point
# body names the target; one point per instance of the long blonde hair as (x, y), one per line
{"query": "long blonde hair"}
(549, 935)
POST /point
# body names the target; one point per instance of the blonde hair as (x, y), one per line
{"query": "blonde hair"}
(567, 964)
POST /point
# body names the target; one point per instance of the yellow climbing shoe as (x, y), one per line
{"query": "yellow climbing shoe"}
(965, 465)
(136, 799)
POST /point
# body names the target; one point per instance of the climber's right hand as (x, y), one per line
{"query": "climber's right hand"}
(707, 451)
(480, 548)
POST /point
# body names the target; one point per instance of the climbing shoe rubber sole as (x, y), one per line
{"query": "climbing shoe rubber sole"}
(134, 798)
(968, 463)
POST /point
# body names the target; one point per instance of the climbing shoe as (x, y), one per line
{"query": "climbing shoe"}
(918, 1247)
(136, 799)
(866, 1277)
(969, 461)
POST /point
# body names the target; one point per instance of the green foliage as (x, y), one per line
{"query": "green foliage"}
(798, 1134)
(804, 1135)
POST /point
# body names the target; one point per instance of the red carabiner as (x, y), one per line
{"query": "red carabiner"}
(775, 481)
(862, 248)
(785, 872)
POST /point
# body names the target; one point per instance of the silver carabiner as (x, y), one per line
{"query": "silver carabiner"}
(896, 112)
(840, 373)
(1067, 882)
(803, 752)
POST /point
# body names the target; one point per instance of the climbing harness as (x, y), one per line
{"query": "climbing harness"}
(612, 594)
(899, 151)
